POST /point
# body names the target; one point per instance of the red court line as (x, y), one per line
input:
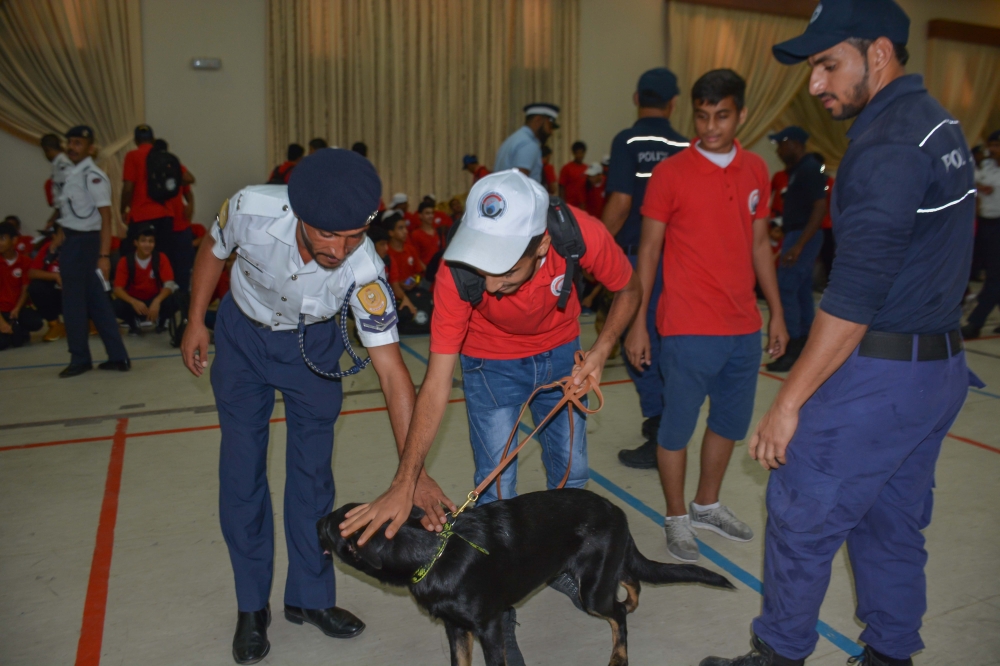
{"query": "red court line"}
(55, 443)
(88, 650)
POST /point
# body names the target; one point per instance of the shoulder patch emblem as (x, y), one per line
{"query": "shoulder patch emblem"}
(224, 214)
(373, 299)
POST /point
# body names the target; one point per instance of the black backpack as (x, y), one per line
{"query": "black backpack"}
(163, 176)
(278, 176)
(567, 240)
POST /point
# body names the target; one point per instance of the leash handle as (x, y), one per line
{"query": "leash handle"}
(572, 396)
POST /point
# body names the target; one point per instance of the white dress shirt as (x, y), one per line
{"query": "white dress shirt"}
(85, 190)
(271, 284)
(61, 165)
(989, 204)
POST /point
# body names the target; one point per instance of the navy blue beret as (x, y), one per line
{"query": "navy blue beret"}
(335, 190)
(80, 131)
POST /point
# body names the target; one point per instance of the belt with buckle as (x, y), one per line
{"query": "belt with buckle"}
(899, 346)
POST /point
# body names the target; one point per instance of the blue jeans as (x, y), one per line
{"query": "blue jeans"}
(494, 393)
(649, 381)
(860, 469)
(795, 284)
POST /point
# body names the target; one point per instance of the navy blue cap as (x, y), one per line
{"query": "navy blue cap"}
(143, 132)
(335, 190)
(660, 82)
(469, 159)
(791, 133)
(994, 137)
(81, 131)
(837, 20)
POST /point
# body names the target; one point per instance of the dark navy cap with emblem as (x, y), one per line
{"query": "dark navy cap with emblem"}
(80, 131)
(143, 132)
(658, 82)
(791, 133)
(335, 190)
(834, 21)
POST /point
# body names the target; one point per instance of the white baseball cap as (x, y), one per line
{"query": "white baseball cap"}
(504, 211)
(398, 198)
(595, 169)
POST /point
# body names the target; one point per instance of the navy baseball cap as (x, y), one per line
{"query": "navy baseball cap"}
(81, 131)
(143, 132)
(469, 159)
(993, 137)
(335, 190)
(834, 21)
(791, 133)
(660, 82)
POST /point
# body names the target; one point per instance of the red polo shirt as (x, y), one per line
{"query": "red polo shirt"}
(176, 206)
(134, 171)
(13, 277)
(526, 322)
(405, 263)
(708, 276)
(144, 286)
(778, 186)
(441, 219)
(573, 178)
(595, 198)
(427, 243)
(24, 245)
(43, 262)
(481, 172)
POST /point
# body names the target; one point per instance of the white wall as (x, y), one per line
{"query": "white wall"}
(23, 172)
(214, 121)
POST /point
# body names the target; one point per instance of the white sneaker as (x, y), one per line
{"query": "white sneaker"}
(721, 521)
(681, 542)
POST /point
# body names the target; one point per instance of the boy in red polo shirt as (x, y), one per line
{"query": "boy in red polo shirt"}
(426, 238)
(706, 214)
(45, 284)
(136, 205)
(405, 267)
(144, 285)
(573, 177)
(16, 321)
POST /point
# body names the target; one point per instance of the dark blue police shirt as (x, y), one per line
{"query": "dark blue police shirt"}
(634, 153)
(903, 208)
(806, 186)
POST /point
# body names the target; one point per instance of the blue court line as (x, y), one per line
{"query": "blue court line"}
(720, 560)
(986, 393)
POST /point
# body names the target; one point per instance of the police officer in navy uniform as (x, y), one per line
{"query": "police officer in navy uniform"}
(85, 214)
(302, 257)
(634, 153)
(854, 433)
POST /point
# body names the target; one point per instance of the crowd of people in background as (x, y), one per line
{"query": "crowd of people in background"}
(150, 274)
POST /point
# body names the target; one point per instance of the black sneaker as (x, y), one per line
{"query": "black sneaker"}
(651, 427)
(760, 655)
(971, 332)
(643, 457)
(511, 650)
(871, 658)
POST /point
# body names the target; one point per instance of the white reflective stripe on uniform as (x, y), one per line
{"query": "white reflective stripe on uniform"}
(679, 144)
(639, 174)
(936, 128)
(948, 205)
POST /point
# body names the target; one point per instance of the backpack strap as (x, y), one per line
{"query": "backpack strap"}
(568, 242)
(130, 265)
(470, 284)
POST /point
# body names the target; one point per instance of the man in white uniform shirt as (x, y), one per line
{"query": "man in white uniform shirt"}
(302, 253)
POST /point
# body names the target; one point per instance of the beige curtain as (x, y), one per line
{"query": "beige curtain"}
(826, 135)
(703, 38)
(422, 82)
(73, 62)
(965, 78)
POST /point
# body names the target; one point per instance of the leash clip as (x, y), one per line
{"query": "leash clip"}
(473, 496)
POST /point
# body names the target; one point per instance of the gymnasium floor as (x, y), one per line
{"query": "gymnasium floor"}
(110, 548)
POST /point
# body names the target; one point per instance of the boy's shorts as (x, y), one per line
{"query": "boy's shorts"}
(722, 367)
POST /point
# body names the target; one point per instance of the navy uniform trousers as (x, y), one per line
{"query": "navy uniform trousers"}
(861, 469)
(84, 298)
(250, 364)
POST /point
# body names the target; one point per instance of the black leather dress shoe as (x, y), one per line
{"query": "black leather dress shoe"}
(250, 643)
(334, 622)
(120, 366)
(74, 369)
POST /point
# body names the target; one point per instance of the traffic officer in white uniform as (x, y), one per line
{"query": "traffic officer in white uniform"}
(85, 214)
(302, 257)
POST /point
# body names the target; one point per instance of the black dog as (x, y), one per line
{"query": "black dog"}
(530, 540)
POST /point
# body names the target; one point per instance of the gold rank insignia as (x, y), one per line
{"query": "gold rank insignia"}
(224, 214)
(372, 299)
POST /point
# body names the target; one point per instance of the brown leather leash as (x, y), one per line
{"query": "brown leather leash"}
(573, 398)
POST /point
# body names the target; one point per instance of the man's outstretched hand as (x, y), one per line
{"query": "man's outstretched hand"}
(394, 506)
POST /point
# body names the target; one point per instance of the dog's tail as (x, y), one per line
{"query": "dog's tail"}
(648, 571)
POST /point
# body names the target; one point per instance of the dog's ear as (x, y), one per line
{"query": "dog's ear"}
(369, 554)
(416, 513)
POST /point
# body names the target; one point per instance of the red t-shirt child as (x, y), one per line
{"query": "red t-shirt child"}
(13, 277)
(143, 208)
(481, 172)
(526, 322)
(24, 245)
(708, 275)
(144, 286)
(573, 178)
(441, 220)
(43, 262)
(427, 243)
(176, 206)
(404, 264)
(282, 172)
(595, 198)
(548, 175)
(778, 186)
(198, 230)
